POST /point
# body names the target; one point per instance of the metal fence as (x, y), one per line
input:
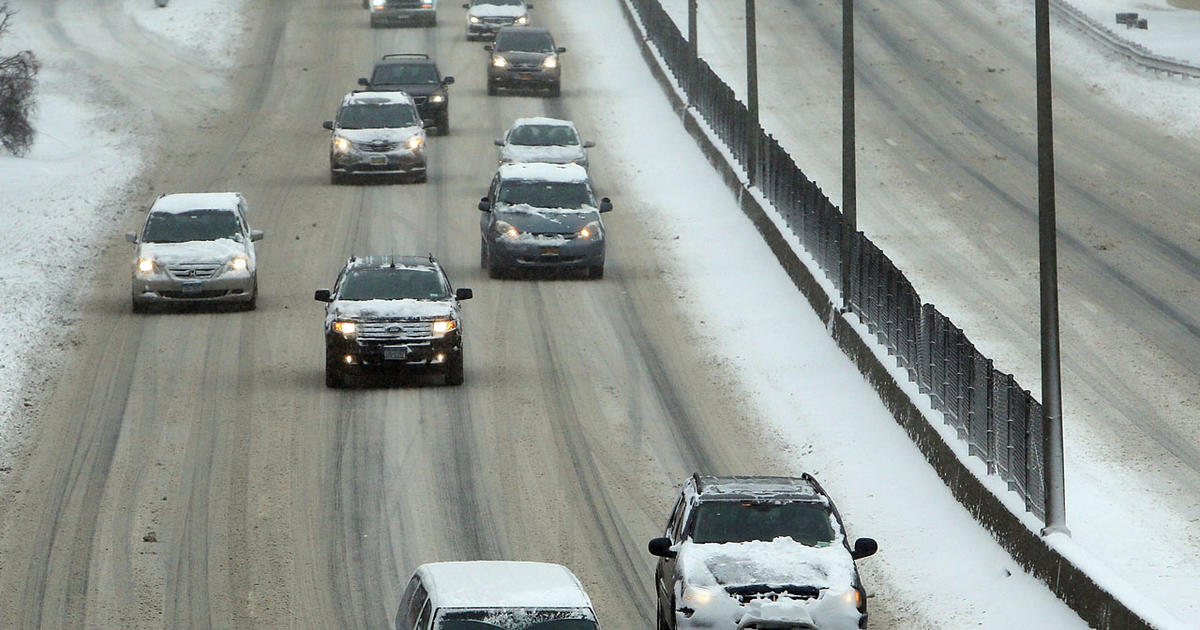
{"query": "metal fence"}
(999, 421)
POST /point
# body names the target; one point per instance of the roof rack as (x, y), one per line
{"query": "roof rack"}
(406, 55)
(432, 259)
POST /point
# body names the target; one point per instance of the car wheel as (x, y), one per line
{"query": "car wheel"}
(443, 125)
(421, 179)
(252, 303)
(336, 179)
(483, 254)
(454, 370)
(334, 378)
(140, 307)
(556, 90)
(596, 272)
(492, 90)
(494, 270)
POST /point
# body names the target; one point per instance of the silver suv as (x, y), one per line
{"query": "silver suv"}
(376, 133)
(547, 140)
(195, 248)
(485, 17)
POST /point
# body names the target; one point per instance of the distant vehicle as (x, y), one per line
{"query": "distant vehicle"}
(485, 17)
(195, 248)
(392, 314)
(548, 140)
(542, 216)
(524, 58)
(402, 12)
(416, 75)
(762, 552)
(494, 595)
(377, 134)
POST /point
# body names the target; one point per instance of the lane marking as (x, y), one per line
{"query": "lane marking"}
(955, 196)
(921, 167)
(891, 142)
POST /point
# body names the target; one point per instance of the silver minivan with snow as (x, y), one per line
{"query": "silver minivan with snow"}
(540, 139)
(195, 248)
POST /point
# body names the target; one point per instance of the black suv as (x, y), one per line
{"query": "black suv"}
(758, 551)
(524, 58)
(392, 313)
(416, 74)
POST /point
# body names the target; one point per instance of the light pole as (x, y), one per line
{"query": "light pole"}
(752, 125)
(693, 52)
(849, 175)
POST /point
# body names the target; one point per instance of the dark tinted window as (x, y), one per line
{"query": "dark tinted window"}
(390, 115)
(193, 225)
(516, 619)
(385, 283)
(736, 521)
(524, 40)
(571, 195)
(405, 74)
(544, 135)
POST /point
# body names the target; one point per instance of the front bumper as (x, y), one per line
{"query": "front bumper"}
(231, 286)
(535, 253)
(398, 355)
(398, 17)
(523, 77)
(354, 162)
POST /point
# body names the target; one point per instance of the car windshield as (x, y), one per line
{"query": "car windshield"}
(516, 619)
(807, 523)
(388, 283)
(524, 40)
(498, 3)
(406, 74)
(572, 195)
(193, 225)
(382, 116)
(544, 135)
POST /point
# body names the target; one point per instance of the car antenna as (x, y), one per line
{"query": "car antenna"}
(431, 258)
(392, 261)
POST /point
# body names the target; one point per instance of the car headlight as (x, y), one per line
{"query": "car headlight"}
(697, 595)
(505, 228)
(499, 62)
(591, 230)
(550, 63)
(524, 19)
(473, 19)
(145, 265)
(238, 263)
(348, 329)
(437, 98)
(415, 142)
(341, 145)
(443, 326)
(378, 4)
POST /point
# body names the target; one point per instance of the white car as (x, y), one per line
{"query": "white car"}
(485, 17)
(195, 248)
(547, 140)
(504, 595)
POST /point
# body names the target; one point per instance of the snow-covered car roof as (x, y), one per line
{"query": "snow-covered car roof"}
(359, 97)
(735, 487)
(502, 584)
(184, 202)
(542, 120)
(541, 172)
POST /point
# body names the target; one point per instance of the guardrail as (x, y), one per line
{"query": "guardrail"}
(1135, 52)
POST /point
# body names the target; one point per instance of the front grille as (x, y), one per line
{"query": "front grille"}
(198, 295)
(420, 100)
(499, 20)
(763, 592)
(199, 271)
(405, 4)
(377, 147)
(394, 331)
(525, 67)
(555, 235)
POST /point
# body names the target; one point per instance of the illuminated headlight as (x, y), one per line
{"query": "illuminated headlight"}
(506, 229)
(591, 230)
(443, 326)
(499, 62)
(348, 329)
(145, 265)
(852, 598)
(415, 142)
(550, 63)
(437, 98)
(524, 19)
(697, 595)
(378, 4)
(473, 19)
(341, 145)
(238, 263)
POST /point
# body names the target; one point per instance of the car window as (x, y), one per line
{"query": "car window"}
(676, 520)
(743, 521)
(193, 225)
(569, 195)
(405, 74)
(523, 40)
(544, 135)
(423, 618)
(410, 603)
(498, 3)
(375, 283)
(381, 116)
(516, 619)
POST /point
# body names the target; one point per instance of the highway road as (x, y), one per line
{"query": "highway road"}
(190, 470)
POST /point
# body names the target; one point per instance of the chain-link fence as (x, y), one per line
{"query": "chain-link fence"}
(1000, 422)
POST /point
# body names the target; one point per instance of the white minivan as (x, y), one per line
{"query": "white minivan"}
(494, 595)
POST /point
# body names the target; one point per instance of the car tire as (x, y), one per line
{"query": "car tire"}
(421, 179)
(494, 270)
(492, 89)
(336, 179)
(454, 370)
(334, 378)
(483, 254)
(252, 303)
(443, 125)
(140, 307)
(556, 90)
(596, 272)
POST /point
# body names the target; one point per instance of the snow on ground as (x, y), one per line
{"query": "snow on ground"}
(206, 26)
(1172, 32)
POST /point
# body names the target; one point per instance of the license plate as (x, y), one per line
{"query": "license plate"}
(525, 76)
(378, 160)
(192, 287)
(549, 251)
(395, 353)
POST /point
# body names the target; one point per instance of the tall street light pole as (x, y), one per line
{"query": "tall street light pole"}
(1052, 426)
(752, 125)
(849, 176)
(693, 52)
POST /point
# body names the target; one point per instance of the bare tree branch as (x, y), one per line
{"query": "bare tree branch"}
(18, 80)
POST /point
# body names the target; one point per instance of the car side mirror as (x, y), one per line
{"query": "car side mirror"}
(328, 124)
(498, 142)
(605, 204)
(661, 547)
(560, 49)
(429, 125)
(447, 80)
(323, 295)
(529, 6)
(131, 237)
(463, 294)
(864, 547)
(589, 144)
(488, 47)
(466, 5)
(485, 205)
(256, 235)
(364, 81)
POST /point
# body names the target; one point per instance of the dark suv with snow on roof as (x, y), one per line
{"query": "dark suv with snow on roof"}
(392, 313)
(758, 552)
(416, 75)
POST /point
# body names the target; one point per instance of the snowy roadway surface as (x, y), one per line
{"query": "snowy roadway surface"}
(190, 469)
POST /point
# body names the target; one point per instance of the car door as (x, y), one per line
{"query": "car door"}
(488, 220)
(665, 571)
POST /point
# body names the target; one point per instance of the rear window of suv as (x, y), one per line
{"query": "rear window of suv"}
(745, 521)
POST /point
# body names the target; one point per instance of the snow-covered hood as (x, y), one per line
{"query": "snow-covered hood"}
(553, 154)
(364, 136)
(496, 10)
(545, 220)
(218, 251)
(776, 563)
(392, 309)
